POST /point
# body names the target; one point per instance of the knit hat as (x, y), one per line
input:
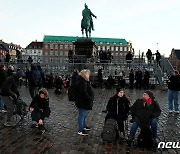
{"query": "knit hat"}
(150, 94)
(118, 89)
(19, 74)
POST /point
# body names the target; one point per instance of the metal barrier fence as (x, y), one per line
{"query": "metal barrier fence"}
(62, 65)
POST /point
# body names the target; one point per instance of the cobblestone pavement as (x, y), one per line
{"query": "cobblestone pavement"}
(61, 128)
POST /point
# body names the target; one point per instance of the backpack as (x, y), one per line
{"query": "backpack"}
(72, 92)
(110, 131)
(145, 138)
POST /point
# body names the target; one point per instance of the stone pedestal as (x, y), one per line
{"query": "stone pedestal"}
(84, 49)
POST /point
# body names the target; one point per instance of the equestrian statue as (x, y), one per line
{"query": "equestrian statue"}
(87, 21)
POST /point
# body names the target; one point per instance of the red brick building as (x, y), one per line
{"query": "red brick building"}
(57, 47)
(174, 58)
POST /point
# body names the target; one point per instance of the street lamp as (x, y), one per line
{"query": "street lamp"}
(157, 47)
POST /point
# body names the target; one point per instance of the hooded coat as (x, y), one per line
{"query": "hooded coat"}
(118, 107)
(85, 94)
(9, 88)
(35, 77)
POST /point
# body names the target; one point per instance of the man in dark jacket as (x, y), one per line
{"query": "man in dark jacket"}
(144, 113)
(146, 79)
(149, 56)
(10, 70)
(129, 58)
(84, 100)
(3, 76)
(138, 77)
(173, 92)
(35, 80)
(131, 79)
(9, 94)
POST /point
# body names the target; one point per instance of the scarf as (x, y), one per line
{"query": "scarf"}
(148, 101)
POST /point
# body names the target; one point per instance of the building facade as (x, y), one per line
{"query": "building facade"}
(57, 47)
(34, 50)
(174, 58)
(3, 50)
(13, 49)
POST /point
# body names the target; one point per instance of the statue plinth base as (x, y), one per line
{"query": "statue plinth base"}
(84, 49)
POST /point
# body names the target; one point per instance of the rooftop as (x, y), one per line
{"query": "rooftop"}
(50, 38)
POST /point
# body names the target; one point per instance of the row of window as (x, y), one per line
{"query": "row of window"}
(58, 46)
(70, 46)
(56, 53)
(60, 53)
(35, 47)
(113, 48)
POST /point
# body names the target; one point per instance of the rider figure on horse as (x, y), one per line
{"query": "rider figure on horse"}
(87, 20)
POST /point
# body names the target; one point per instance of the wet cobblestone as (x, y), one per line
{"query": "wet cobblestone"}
(61, 128)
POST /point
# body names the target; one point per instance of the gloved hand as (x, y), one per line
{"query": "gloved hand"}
(14, 98)
(18, 94)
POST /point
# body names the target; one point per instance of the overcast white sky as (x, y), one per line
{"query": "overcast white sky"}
(148, 24)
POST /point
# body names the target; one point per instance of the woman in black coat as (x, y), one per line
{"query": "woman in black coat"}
(84, 100)
(39, 109)
(118, 108)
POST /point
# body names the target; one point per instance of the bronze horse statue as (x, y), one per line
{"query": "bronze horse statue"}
(87, 22)
(85, 25)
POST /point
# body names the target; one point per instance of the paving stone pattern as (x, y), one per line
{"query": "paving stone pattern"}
(61, 128)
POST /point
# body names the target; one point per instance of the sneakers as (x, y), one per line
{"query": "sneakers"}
(7, 124)
(34, 126)
(82, 133)
(87, 128)
(41, 132)
(3, 111)
(170, 111)
(177, 112)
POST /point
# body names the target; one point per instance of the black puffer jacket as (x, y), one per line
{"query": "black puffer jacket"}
(174, 83)
(9, 88)
(39, 103)
(143, 113)
(85, 94)
(118, 106)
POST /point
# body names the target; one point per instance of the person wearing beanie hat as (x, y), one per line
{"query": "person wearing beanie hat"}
(10, 93)
(118, 108)
(145, 113)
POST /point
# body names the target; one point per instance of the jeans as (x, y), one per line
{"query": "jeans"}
(153, 124)
(82, 118)
(1, 104)
(9, 103)
(173, 95)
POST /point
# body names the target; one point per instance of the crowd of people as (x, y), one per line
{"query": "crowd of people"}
(136, 79)
(144, 111)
